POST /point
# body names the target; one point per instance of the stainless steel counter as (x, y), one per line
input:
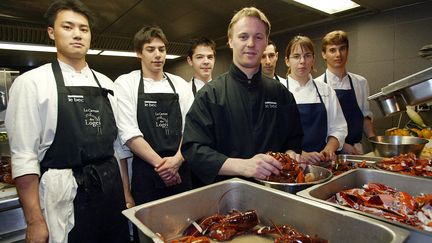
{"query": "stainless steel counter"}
(12, 226)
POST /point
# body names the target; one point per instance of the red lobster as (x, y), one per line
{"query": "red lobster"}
(288, 234)
(224, 227)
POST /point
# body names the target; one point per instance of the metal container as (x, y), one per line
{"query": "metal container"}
(389, 104)
(419, 93)
(389, 146)
(357, 178)
(171, 215)
(321, 175)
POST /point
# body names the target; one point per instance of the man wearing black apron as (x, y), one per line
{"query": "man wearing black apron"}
(201, 57)
(152, 106)
(63, 112)
(351, 89)
(269, 61)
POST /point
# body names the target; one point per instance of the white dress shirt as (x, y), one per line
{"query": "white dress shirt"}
(127, 96)
(31, 116)
(198, 83)
(336, 124)
(360, 85)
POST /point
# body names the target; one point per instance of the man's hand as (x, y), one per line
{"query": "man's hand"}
(349, 149)
(260, 166)
(37, 232)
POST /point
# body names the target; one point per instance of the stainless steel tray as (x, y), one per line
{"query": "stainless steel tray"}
(358, 158)
(357, 178)
(170, 216)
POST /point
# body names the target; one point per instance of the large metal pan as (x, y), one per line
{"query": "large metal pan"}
(357, 178)
(171, 215)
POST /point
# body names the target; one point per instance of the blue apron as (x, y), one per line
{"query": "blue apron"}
(314, 121)
(351, 110)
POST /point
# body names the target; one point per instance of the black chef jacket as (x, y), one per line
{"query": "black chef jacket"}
(236, 117)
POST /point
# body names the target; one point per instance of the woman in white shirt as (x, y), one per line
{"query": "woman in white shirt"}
(323, 122)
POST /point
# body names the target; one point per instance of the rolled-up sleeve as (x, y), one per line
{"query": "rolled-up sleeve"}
(24, 127)
(127, 99)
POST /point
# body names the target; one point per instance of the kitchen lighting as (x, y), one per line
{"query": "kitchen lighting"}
(43, 48)
(329, 6)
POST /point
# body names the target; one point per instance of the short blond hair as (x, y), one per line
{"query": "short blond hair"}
(336, 37)
(249, 12)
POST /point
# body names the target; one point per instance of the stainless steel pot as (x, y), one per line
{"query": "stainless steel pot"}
(389, 104)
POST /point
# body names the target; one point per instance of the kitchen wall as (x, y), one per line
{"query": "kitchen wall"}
(383, 48)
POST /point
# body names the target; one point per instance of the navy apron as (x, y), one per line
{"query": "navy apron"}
(160, 121)
(83, 142)
(351, 110)
(314, 121)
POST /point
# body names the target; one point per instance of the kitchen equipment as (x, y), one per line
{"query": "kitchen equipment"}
(389, 104)
(414, 90)
(389, 146)
(357, 178)
(320, 174)
(346, 162)
(171, 215)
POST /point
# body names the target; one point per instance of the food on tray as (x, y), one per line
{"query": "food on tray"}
(415, 132)
(222, 227)
(384, 201)
(5, 170)
(338, 167)
(291, 171)
(407, 164)
(287, 233)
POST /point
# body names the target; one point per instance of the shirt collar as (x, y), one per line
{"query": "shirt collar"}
(333, 78)
(295, 84)
(69, 69)
(240, 76)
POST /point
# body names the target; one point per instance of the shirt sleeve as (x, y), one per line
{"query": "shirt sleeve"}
(24, 127)
(198, 146)
(337, 126)
(127, 122)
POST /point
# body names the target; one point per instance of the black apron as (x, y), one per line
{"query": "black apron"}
(83, 141)
(160, 121)
(314, 121)
(351, 110)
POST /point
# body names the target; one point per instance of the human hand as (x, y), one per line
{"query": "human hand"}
(130, 202)
(37, 232)
(169, 166)
(313, 157)
(176, 179)
(328, 154)
(260, 166)
(349, 149)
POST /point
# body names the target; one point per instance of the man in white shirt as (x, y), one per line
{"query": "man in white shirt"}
(201, 57)
(61, 126)
(268, 62)
(152, 107)
(352, 90)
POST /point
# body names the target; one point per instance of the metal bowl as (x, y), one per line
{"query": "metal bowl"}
(321, 174)
(389, 146)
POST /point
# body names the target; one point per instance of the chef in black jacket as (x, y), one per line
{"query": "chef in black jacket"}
(62, 127)
(240, 115)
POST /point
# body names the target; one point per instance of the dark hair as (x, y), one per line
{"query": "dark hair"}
(146, 34)
(74, 5)
(270, 42)
(304, 42)
(201, 41)
(337, 37)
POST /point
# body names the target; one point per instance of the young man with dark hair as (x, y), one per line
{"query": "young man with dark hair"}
(268, 62)
(152, 107)
(242, 114)
(351, 89)
(61, 124)
(201, 57)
